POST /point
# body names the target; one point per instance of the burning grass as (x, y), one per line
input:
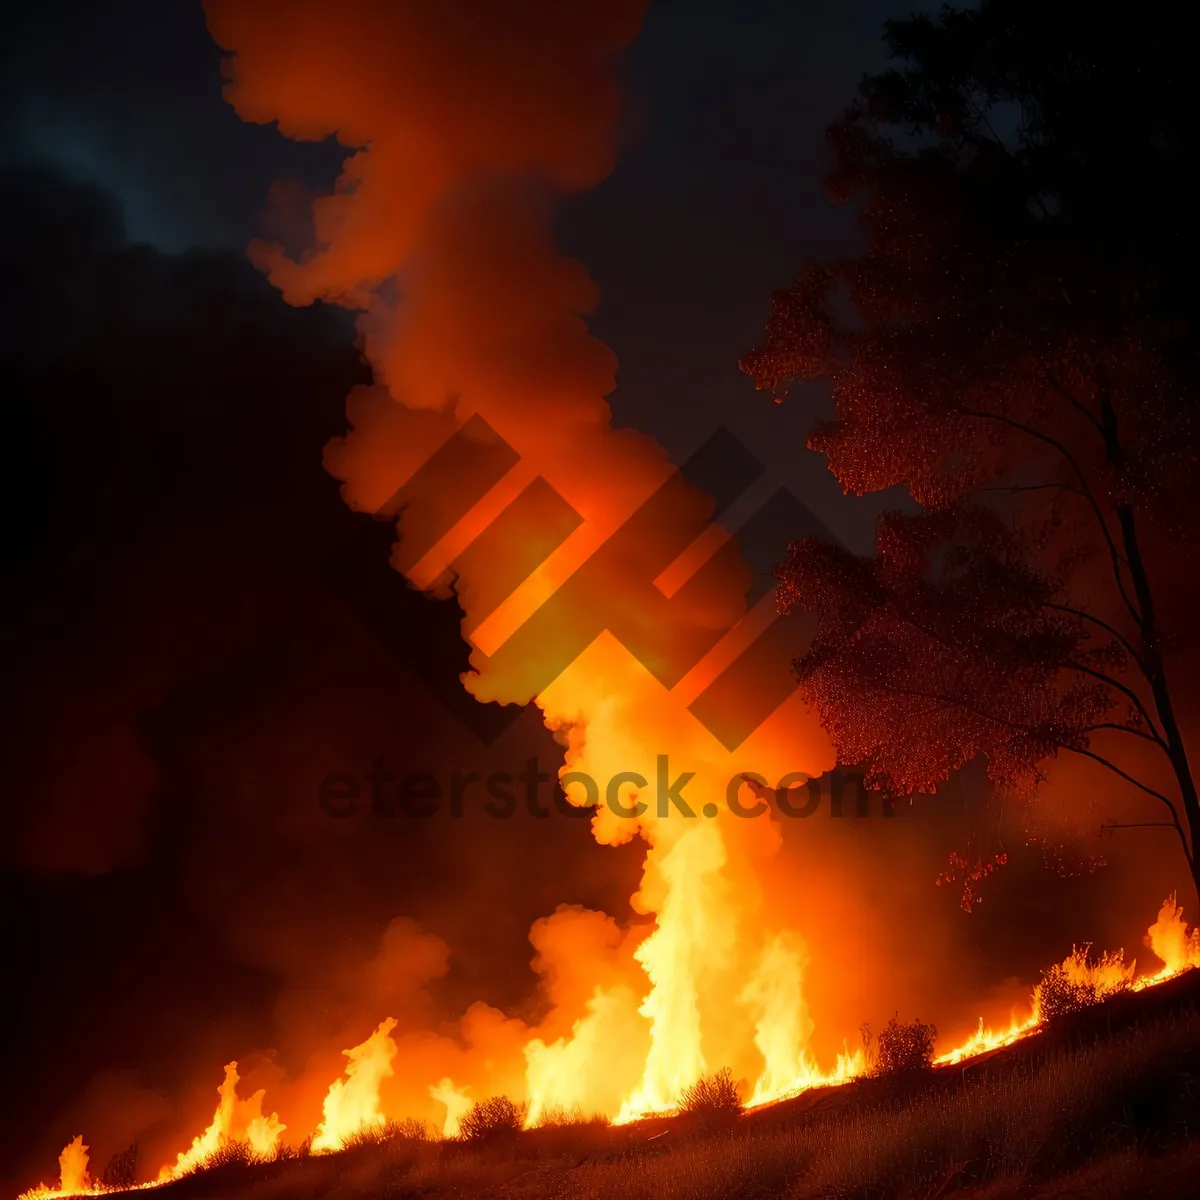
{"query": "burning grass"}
(1073, 1111)
(897, 1065)
(492, 1119)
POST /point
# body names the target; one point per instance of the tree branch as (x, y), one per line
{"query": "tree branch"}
(1104, 762)
(1087, 616)
(1087, 493)
(1116, 683)
(1130, 729)
(951, 702)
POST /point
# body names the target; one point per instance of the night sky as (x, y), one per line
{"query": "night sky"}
(717, 198)
(185, 660)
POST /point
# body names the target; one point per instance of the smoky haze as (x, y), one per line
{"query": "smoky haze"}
(189, 672)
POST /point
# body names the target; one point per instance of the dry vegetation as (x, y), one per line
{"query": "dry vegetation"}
(712, 1098)
(901, 1049)
(492, 1119)
(1111, 1110)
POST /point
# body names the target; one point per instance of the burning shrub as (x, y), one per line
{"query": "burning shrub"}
(1077, 983)
(232, 1152)
(554, 1116)
(297, 1153)
(387, 1132)
(121, 1172)
(412, 1130)
(495, 1117)
(714, 1095)
(902, 1048)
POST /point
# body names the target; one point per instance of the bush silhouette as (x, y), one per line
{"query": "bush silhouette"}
(712, 1096)
(387, 1132)
(556, 1116)
(902, 1048)
(232, 1152)
(495, 1117)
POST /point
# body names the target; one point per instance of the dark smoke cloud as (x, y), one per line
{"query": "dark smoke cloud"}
(188, 667)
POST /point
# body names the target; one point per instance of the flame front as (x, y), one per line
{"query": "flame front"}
(352, 1103)
(457, 1104)
(73, 1168)
(582, 1072)
(234, 1120)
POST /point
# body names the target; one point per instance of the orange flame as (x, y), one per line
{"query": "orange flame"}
(73, 1172)
(1168, 938)
(457, 1103)
(569, 1074)
(492, 322)
(352, 1102)
(234, 1120)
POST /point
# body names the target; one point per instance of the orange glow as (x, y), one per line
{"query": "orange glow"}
(352, 1102)
(1168, 938)
(457, 1104)
(73, 1164)
(618, 1039)
(234, 1120)
(492, 323)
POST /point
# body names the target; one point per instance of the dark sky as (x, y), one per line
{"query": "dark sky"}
(716, 200)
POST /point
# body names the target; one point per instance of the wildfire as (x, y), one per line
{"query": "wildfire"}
(782, 1026)
(352, 1102)
(492, 326)
(234, 1120)
(72, 1164)
(1168, 938)
(457, 1103)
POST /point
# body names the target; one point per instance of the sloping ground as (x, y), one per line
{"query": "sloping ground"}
(1104, 1104)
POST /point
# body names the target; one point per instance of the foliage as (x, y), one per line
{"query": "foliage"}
(712, 1095)
(902, 1048)
(495, 1117)
(386, 1132)
(284, 1152)
(1077, 983)
(1015, 350)
(556, 1116)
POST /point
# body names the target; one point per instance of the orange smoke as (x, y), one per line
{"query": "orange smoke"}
(460, 136)
(439, 235)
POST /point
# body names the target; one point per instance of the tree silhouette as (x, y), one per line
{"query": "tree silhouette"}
(1013, 349)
